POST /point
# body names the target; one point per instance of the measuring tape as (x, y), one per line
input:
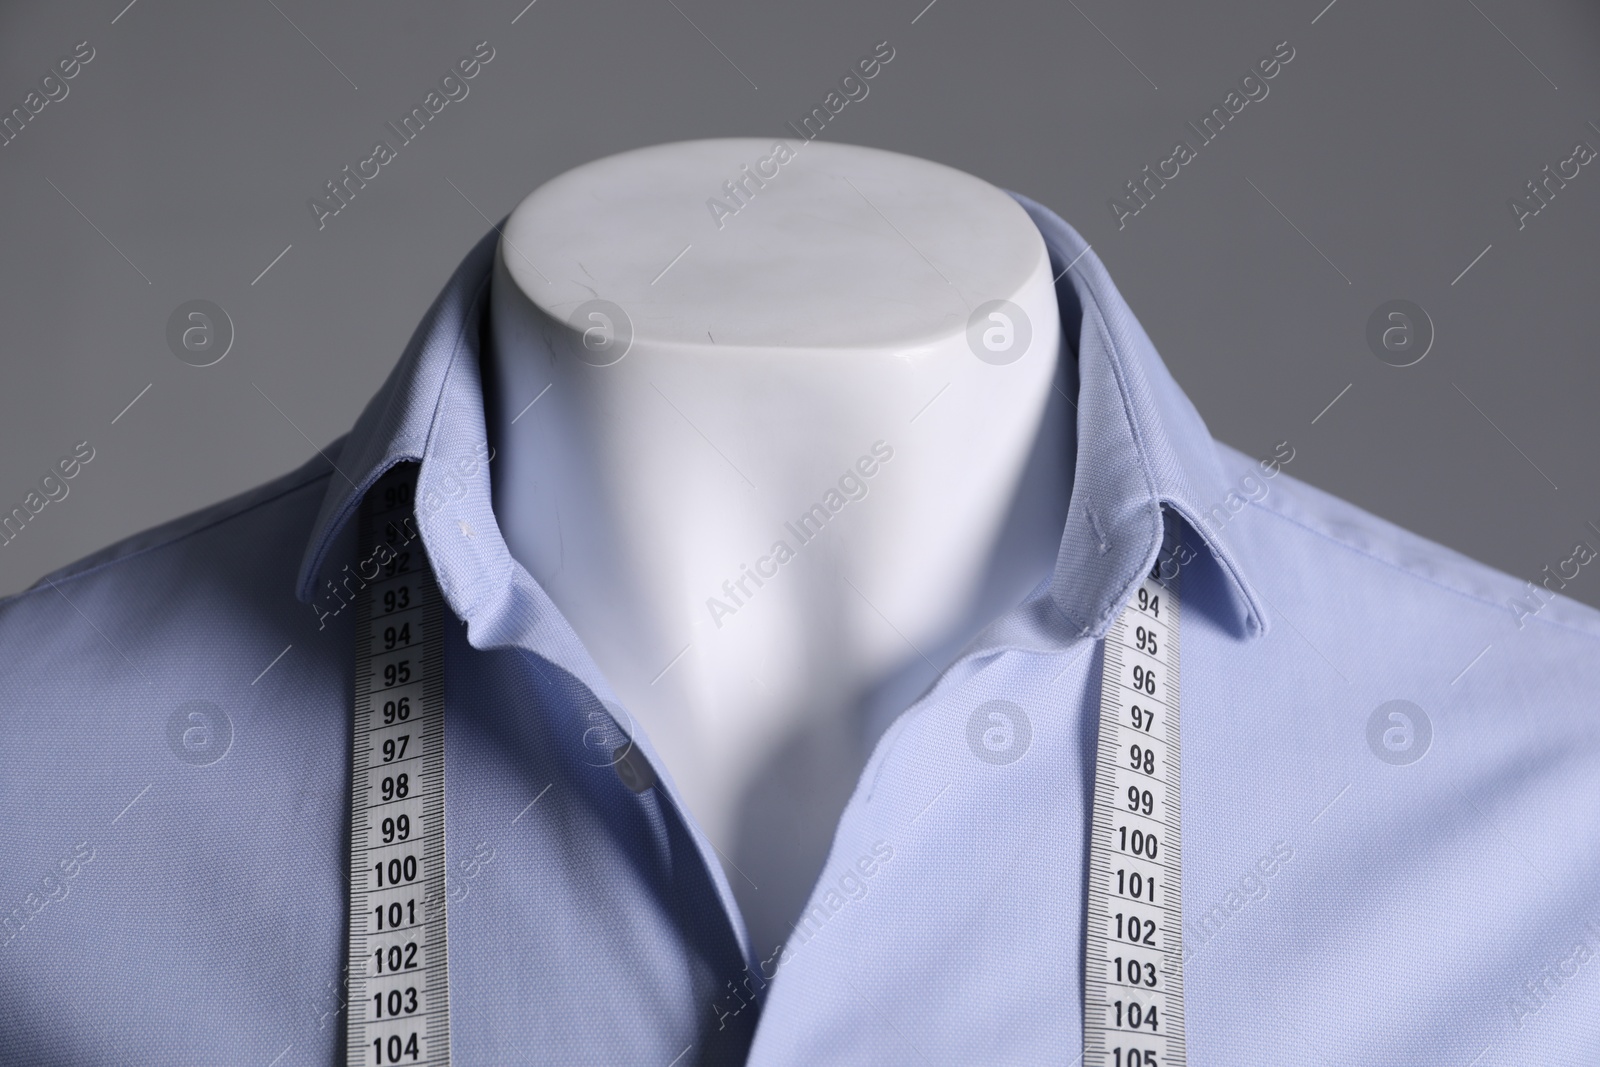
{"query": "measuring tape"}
(399, 991)
(1133, 956)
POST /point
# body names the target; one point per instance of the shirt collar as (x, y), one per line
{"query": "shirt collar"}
(1143, 450)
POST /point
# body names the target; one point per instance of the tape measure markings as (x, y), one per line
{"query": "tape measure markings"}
(398, 1008)
(1133, 951)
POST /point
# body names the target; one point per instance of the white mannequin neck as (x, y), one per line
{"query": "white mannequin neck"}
(798, 492)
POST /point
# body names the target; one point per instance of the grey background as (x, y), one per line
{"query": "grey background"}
(1379, 167)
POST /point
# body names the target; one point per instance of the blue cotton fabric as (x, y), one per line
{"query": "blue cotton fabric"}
(173, 819)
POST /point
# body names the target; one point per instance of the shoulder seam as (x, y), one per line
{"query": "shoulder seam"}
(47, 582)
(1326, 536)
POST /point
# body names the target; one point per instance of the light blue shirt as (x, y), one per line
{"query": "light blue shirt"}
(1364, 882)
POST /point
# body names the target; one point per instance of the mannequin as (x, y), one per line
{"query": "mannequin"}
(769, 474)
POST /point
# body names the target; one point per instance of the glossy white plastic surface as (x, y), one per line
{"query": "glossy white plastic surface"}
(773, 479)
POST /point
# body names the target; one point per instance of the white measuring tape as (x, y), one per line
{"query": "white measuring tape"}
(1133, 955)
(399, 992)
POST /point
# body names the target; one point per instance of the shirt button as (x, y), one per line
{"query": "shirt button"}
(633, 768)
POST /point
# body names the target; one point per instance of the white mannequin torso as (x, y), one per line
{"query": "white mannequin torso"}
(778, 489)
